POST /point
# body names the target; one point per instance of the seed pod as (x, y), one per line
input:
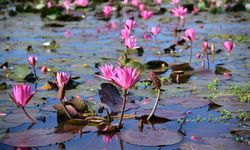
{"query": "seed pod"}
(155, 79)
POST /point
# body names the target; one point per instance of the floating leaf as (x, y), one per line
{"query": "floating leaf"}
(157, 66)
(110, 96)
(186, 102)
(151, 137)
(179, 77)
(20, 72)
(183, 66)
(165, 20)
(221, 70)
(241, 131)
(130, 62)
(20, 117)
(35, 138)
(164, 113)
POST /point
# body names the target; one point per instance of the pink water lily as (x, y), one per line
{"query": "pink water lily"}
(130, 42)
(189, 35)
(114, 25)
(107, 10)
(130, 23)
(62, 79)
(125, 2)
(146, 36)
(228, 45)
(49, 4)
(66, 4)
(145, 14)
(141, 7)
(158, 2)
(32, 60)
(175, 2)
(155, 30)
(44, 69)
(204, 46)
(179, 12)
(82, 3)
(125, 77)
(125, 33)
(107, 71)
(21, 94)
(135, 3)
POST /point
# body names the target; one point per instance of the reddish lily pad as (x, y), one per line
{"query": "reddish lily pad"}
(186, 102)
(21, 117)
(110, 96)
(164, 113)
(215, 144)
(183, 66)
(151, 137)
(35, 137)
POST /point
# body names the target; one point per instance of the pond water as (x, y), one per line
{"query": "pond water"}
(81, 47)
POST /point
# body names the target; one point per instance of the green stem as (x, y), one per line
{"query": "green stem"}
(26, 113)
(156, 104)
(123, 108)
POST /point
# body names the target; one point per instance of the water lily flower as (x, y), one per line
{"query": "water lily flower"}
(66, 4)
(158, 2)
(44, 69)
(107, 26)
(146, 14)
(21, 95)
(32, 60)
(135, 3)
(198, 56)
(67, 33)
(130, 42)
(175, 2)
(141, 7)
(82, 3)
(195, 10)
(228, 45)
(155, 30)
(179, 12)
(189, 35)
(125, 77)
(49, 4)
(125, 2)
(130, 23)
(62, 79)
(114, 25)
(146, 36)
(107, 71)
(204, 46)
(125, 33)
(107, 10)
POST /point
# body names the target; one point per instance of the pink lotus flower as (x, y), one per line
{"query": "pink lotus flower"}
(66, 4)
(198, 55)
(32, 60)
(49, 4)
(179, 12)
(146, 36)
(107, 10)
(155, 30)
(135, 3)
(21, 94)
(62, 79)
(130, 23)
(146, 14)
(44, 69)
(204, 46)
(228, 45)
(130, 42)
(125, 33)
(126, 77)
(175, 2)
(114, 25)
(158, 2)
(189, 33)
(141, 7)
(107, 72)
(82, 3)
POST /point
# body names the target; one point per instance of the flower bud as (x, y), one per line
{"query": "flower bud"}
(155, 79)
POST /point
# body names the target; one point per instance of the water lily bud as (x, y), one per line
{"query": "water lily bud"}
(44, 69)
(155, 79)
(32, 60)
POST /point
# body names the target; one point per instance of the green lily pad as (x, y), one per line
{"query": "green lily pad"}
(20, 72)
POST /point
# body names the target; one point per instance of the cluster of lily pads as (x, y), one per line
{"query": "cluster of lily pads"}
(127, 73)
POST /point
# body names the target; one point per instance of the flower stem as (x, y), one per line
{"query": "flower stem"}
(123, 108)
(208, 63)
(65, 110)
(157, 43)
(34, 68)
(26, 113)
(191, 53)
(156, 104)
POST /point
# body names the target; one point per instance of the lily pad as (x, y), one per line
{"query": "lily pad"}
(241, 132)
(36, 137)
(21, 117)
(150, 137)
(186, 102)
(20, 72)
(157, 66)
(110, 96)
(221, 70)
(164, 113)
(183, 66)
